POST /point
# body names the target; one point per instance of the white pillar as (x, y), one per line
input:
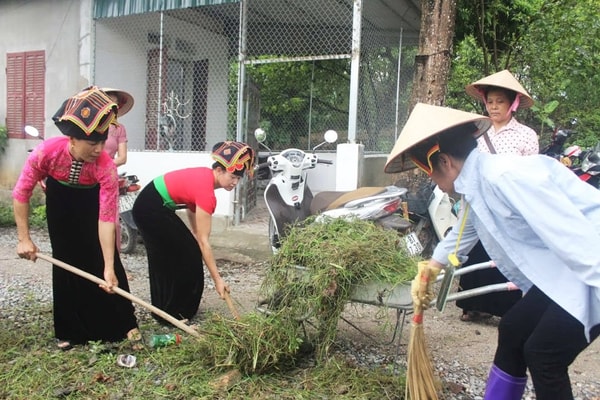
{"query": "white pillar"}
(86, 44)
(349, 166)
(354, 70)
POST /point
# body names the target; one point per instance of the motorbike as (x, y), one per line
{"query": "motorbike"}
(128, 232)
(588, 169)
(289, 199)
(584, 163)
(128, 188)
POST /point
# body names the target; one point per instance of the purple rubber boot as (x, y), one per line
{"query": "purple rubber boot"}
(502, 386)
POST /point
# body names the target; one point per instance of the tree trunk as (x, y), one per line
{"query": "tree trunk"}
(432, 64)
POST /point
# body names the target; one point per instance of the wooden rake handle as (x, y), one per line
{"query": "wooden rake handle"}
(232, 308)
(121, 292)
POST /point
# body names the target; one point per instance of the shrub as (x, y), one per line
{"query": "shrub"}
(37, 218)
(3, 138)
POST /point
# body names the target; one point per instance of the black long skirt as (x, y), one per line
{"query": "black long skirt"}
(175, 265)
(83, 311)
(493, 303)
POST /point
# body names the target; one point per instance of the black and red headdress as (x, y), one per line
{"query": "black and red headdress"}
(235, 157)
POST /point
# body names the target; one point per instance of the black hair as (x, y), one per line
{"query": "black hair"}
(457, 142)
(511, 94)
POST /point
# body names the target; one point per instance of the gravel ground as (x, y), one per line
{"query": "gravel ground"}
(462, 352)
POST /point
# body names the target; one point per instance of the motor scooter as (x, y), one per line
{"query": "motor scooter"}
(290, 200)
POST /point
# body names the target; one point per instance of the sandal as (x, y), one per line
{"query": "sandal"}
(64, 345)
(135, 338)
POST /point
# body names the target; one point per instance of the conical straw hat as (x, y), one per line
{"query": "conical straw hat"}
(124, 100)
(426, 121)
(503, 79)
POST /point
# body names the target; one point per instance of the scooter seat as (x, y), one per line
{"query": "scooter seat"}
(330, 200)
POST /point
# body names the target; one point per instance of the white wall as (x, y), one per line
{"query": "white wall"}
(147, 165)
(121, 62)
(52, 26)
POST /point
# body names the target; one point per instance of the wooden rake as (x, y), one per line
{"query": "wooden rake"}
(179, 324)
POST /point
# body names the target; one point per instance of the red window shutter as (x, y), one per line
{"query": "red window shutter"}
(26, 83)
(15, 93)
(35, 83)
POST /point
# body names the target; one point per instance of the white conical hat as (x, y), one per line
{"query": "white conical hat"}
(426, 121)
(124, 99)
(503, 79)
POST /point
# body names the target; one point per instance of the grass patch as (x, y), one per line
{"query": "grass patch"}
(31, 367)
(277, 356)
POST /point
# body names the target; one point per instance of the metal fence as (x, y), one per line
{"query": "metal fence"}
(198, 73)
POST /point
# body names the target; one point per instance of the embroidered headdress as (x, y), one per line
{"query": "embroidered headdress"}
(235, 157)
(86, 115)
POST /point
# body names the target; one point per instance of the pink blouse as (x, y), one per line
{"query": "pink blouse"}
(52, 158)
(116, 135)
(512, 138)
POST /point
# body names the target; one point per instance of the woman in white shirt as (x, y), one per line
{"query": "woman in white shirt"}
(539, 222)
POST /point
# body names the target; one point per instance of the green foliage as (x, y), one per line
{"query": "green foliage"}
(562, 53)
(467, 65)
(37, 217)
(497, 26)
(3, 138)
(292, 91)
(7, 217)
(551, 46)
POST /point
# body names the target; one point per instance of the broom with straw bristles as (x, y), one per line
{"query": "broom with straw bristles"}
(420, 382)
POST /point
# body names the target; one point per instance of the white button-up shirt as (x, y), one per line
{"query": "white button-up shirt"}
(539, 222)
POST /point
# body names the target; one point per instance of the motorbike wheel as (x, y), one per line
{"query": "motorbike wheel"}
(128, 237)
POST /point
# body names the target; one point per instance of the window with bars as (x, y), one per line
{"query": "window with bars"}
(26, 80)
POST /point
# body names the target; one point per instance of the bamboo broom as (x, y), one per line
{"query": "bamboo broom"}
(420, 382)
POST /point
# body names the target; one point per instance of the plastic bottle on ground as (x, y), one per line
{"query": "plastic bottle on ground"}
(165, 340)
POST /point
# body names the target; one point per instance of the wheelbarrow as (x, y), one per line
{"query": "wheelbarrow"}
(398, 296)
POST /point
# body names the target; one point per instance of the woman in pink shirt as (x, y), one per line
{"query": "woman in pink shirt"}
(176, 253)
(502, 96)
(116, 141)
(81, 211)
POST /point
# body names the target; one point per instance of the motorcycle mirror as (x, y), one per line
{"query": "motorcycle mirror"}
(260, 135)
(331, 136)
(31, 131)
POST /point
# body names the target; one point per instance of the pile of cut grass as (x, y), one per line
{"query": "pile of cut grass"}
(318, 264)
